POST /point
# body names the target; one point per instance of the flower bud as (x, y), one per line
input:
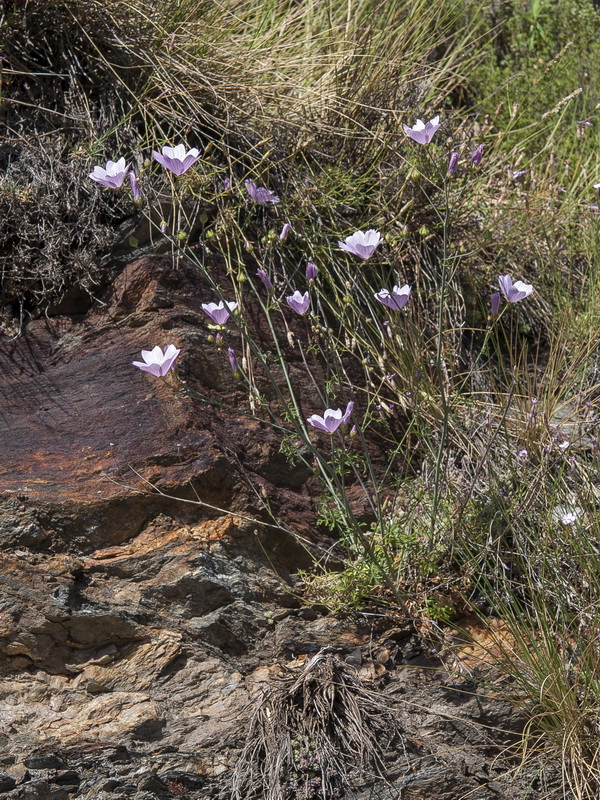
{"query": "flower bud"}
(477, 155)
(453, 164)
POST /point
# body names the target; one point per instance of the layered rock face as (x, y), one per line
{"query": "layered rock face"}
(138, 629)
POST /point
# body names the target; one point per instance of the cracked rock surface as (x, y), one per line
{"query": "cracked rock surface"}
(137, 630)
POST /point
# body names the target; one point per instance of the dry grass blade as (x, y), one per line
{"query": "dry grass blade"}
(313, 733)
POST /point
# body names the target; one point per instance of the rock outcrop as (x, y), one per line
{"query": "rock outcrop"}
(138, 629)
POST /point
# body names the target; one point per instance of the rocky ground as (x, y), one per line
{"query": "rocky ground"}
(138, 632)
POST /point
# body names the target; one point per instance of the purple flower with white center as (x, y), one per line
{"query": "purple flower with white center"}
(300, 303)
(495, 303)
(361, 244)
(477, 155)
(176, 159)
(395, 299)
(156, 362)
(233, 360)
(422, 132)
(331, 419)
(311, 271)
(513, 292)
(285, 232)
(453, 164)
(265, 279)
(219, 312)
(112, 176)
(259, 194)
(523, 453)
(135, 186)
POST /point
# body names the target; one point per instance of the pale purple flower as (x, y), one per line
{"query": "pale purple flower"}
(477, 155)
(113, 175)
(285, 232)
(226, 184)
(597, 185)
(219, 312)
(259, 194)
(331, 419)
(348, 412)
(156, 362)
(453, 164)
(311, 271)
(568, 515)
(300, 303)
(265, 279)
(176, 159)
(135, 186)
(233, 360)
(361, 244)
(422, 132)
(513, 292)
(395, 299)
(163, 227)
(517, 173)
(564, 445)
(523, 453)
(495, 303)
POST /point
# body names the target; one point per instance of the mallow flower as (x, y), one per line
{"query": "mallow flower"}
(135, 186)
(156, 362)
(176, 159)
(265, 279)
(311, 271)
(331, 419)
(495, 302)
(361, 244)
(113, 175)
(395, 299)
(477, 155)
(422, 132)
(568, 515)
(219, 312)
(259, 194)
(300, 303)
(513, 292)
(285, 232)
(233, 360)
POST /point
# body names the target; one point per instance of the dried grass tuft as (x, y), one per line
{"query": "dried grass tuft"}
(314, 734)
